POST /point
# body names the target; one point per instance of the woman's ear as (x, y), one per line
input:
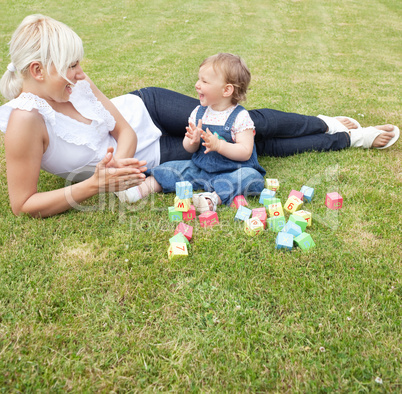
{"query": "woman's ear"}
(228, 90)
(36, 71)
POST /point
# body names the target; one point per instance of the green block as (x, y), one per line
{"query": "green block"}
(276, 223)
(304, 241)
(179, 237)
(297, 219)
(175, 216)
(269, 201)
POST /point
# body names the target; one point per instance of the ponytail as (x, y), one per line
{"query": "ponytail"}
(11, 83)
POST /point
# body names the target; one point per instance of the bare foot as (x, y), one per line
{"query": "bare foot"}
(383, 138)
(347, 123)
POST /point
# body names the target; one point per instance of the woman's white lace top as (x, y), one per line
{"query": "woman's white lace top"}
(76, 147)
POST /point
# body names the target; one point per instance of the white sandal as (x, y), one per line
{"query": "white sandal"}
(364, 138)
(201, 204)
(335, 126)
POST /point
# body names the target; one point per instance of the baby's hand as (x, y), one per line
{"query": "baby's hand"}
(194, 132)
(211, 141)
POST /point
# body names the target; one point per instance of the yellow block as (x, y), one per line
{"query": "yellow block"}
(253, 226)
(293, 204)
(275, 210)
(177, 250)
(272, 184)
(182, 205)
(306, 216)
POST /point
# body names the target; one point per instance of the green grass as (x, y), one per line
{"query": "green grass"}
(88, 299)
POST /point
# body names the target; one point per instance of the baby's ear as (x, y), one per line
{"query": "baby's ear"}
(228, 90)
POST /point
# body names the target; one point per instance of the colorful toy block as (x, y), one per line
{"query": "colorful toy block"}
(284, 241)
(179, 237)
(177, 250)
(185, 229)
(304, 241)
(253, 226)
(306, 216)
(296, 193)
(277, 223)
(269, 201)
(208, 219)
(174, 215)
(292, 228)
(266, 193)
(190, 214)
(293, 204)
(272, 184)
(308, 193)
(239, 201)
(242, 213)
(333, 200)
(299, 220)
(275, 210)
(261, 214)
(184, 190)
(182, 205)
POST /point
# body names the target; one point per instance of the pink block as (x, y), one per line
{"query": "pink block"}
(333, 200)
(261, 214)
(237, 201)
(185, 229)
(190, 214)
(296, 193)
(208, 218)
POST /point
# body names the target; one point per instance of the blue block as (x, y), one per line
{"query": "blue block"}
(243, 213)
(266, 193)
(284, 241)
(184, 190)
(308, 193)
(292, 228)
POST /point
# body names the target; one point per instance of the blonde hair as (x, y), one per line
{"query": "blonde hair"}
(234, 71)
(41, 39)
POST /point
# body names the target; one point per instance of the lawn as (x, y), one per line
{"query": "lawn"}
(89, 301)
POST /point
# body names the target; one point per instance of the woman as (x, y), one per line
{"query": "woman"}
(57, 120)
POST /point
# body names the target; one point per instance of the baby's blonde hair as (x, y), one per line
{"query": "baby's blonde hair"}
(234, 71)
(41, 39)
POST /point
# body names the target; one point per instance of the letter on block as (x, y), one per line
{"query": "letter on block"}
(333, 200)
(299, 220)
(179, 237)
(269, 201)
(182, 205)
(242, 213)
(184, 190)
(308, 193)
(292, 228)
(239, 201)
(266, 193)
(299, 195)
(175, 216)
(304, 241)
(275, 210)
(185, 229)
(293, 204)
(261, 214)
(306, 216)
(253, 226)
(177, 250)
(208, 219)
(277, 223)
(272, 184)
(190, 214)
(284, 241)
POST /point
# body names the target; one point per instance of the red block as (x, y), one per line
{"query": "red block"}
(185, 229)
(333, 200)
(261, 214)
(190, 214)
(296, 193)
(208, 219)
(237, 201)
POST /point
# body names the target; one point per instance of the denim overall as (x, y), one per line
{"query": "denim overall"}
(213, 162)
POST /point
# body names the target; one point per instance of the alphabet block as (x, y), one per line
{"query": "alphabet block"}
(242, 213)
(261, 214)
(266, 193)
(272, 184)
(253, 226)
(293, 204)
(184, 190)
(299, 195)
(284, 241)
(276, 223)
(275, 210)
(306, 216)
(292, 228)
(333, 200)
(304, 241)
(177, 250)
(190, 214)
(185, 229)
(239, 201)
(179, 237)
(268, 201)
(299, 220)
(174, 215)
(182, 205)
(208, 219)
(308, 193)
